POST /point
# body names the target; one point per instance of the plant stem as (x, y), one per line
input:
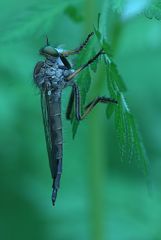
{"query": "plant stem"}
(96, 180)
(95, 166)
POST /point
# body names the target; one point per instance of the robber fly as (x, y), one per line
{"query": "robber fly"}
(51, 77)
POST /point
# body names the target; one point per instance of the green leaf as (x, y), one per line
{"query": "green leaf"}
(110, 82)
(93, 66)
(114, 74)
(131, 147)
(98, 34)
(107, 48)
(83, 79)
(110, 110)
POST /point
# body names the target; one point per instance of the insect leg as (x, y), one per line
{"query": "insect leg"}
(90, 106)
(85, 65)
(77, 50)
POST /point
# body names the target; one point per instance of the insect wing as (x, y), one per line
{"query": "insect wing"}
(47, 129)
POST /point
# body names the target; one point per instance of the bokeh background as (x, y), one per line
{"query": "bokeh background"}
(101, 197)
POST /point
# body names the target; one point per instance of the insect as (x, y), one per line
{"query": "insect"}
(51, 77)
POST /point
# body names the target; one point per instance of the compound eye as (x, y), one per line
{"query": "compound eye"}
(48, 50)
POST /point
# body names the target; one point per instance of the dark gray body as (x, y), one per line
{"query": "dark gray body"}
(50, 77)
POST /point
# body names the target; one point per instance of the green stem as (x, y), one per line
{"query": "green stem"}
(96, 181)
(95, 133)
(95, 149)
(96, 170)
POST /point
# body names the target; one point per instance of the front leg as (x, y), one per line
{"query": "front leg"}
(75, 73)
(90, 106)
(81, 47)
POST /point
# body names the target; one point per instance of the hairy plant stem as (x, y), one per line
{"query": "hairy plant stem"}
(96, 170)
(95, 163)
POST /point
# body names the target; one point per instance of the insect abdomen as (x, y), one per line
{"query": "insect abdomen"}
(55, 123)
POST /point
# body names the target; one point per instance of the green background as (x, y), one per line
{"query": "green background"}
(101, 197)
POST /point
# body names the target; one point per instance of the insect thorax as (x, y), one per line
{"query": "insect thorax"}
(51, 74)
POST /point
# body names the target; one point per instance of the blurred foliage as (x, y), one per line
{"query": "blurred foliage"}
(154, 10)
(74, 13)
(101, 196)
